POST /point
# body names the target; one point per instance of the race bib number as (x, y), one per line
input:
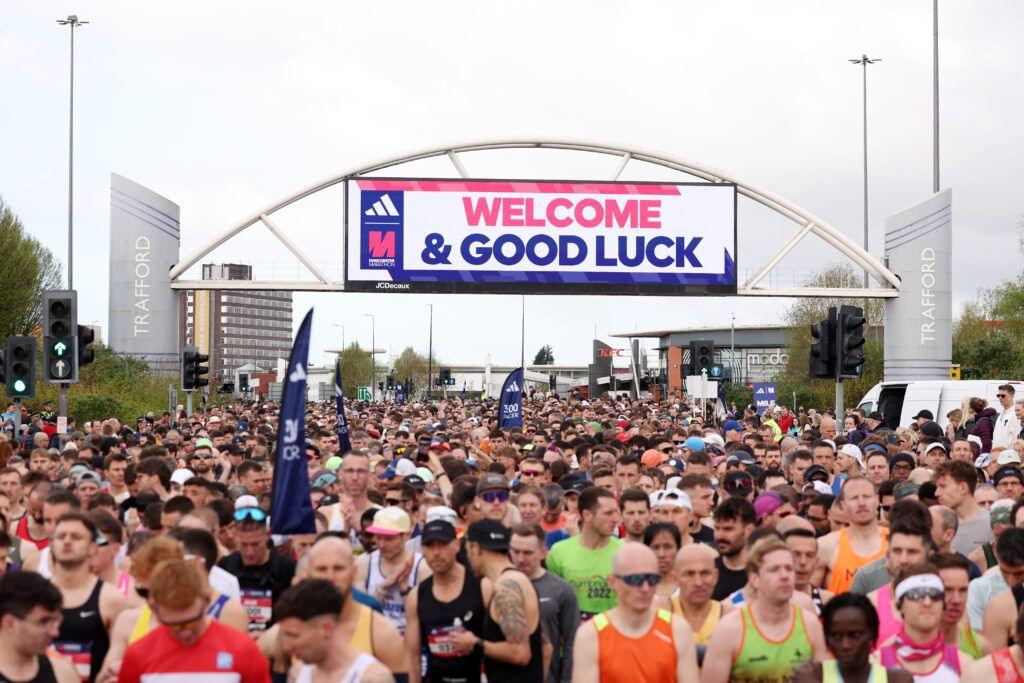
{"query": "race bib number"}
(439, 642)
(80, 655)
(259, 606)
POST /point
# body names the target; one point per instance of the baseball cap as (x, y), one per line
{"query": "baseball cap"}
(932, 429)
(816, 471)
(390, 521)
(442, 513)
(733, 426)
(873, 447)
(200, 443)
(999, 514)
(1008, 457)
(714, 440)
(89, 475)
(854, 452)
(178, 477)
(932, 446)
(404, 467)
(676, 463)
(818, 487)
(416, 481)
(694, 443)
(333, 463)
(491, 481)
(738, 483)
(322, 478)
(983, 460)
(926, 414)
(677, 498)
(246, 501)
(766, 503)
(652, 457)
(438, 530)
(976, 440)
(489, 534)
(875, 415)
(1008, 471)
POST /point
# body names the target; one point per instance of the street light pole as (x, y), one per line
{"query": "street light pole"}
(373, 357)
(935, 95)
(430, 354)
(864, 61)
(74, 23)
(342, 337)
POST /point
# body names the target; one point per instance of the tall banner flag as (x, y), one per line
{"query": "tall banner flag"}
(292, 512)
(344, 442)
(400, 394)
(510, 414)
(765, 395)
(463, 397)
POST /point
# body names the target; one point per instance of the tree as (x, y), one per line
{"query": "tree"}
(411, 365)
(356, 369)
(544, 356)
(27, 269)
(795, 376)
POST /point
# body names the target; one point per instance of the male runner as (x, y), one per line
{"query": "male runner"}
(29, 622)
(311, 630)
(765, 639)
(697, 575)
(845, 551)
(635, 642)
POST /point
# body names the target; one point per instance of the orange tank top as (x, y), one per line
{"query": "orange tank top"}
(848, 562)
(648, 659)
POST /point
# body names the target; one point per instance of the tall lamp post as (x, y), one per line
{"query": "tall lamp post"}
(342, 337)
(373, 356)
(935, 95)
(863, 62)
(430, 353)
(74, 22)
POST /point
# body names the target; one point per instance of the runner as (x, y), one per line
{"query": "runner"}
(765, 639)
(189, 644)
(511, 644)
(845, 551)
(585, 560)
(311, 631)
(696, 576)
(450, 599)
(90, 606)
(635, 642)
(1005, 665)
(30, 616)
(918, 647)
(559, 611)
(734, 521)
(391, 571)
(851, 629)
(956, 629)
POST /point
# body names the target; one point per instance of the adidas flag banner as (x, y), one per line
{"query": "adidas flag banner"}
(510, 414)
(292, 512)
(400, 394)
(344, 442)
(463, 396)
(765, 395)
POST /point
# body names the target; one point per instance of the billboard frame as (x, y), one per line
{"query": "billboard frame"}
(534, 288)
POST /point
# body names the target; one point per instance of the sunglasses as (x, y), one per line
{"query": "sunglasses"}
(532, 473)
(738, 485)
(142, 592)
(817, 520)
(179, 626)
(494, 496)
(885, 508)
(393, 501)
(1000, 395)
(666, 450)
(250, 514)
(201, 456)
(918, 594)
(637, 580)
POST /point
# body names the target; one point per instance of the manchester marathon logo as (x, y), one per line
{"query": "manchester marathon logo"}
(381, 228)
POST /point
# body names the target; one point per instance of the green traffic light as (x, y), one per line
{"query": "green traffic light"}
(60, 349)
(19, 386)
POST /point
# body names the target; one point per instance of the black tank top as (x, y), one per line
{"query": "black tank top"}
(45, 674)
(502, 672)
(83, 637)
(437, 619)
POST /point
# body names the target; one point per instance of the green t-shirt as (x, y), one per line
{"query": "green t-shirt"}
(587, 571)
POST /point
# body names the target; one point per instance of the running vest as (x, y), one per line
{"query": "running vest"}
(144, 624)
(83, 637)
(651, 658)
(354, 674)
(946, 671)
(703, 634)
(502, 672)
(830, 673)
(888, 623)
(437, 620)
(968, 642)
(44, 675)
(21, 531)
(768, 661)
(362, 636)
(848, 562)
(393, 602)
(1005, 668)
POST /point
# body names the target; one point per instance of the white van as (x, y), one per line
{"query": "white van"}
(899, 401)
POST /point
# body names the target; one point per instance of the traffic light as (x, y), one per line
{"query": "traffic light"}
(192, 369)
(716, 371)
(86, 336)
(823, 357)
(391, 383)
(954, 371)
(850, 323)
(243, 383)
(60, 336)
(446, 379)
(702, 356)
(20, 367)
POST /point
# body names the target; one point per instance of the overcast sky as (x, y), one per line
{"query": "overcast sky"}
(227, 107)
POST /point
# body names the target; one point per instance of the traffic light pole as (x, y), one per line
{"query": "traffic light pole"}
(63, 408)
(17, 419)
(188, 406)
(840, 422)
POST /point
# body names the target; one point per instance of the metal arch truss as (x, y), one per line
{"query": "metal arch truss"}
(807, 222)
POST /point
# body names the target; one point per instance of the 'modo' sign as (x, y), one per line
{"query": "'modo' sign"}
(540, 237)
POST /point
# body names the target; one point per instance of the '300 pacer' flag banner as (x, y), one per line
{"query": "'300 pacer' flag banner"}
(514, 236)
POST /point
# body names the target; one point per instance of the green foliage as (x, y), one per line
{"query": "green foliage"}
(26, 270)
(544, 356)
(356, 369)
(414, 366)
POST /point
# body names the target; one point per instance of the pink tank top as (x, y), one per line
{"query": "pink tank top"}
(888, 624)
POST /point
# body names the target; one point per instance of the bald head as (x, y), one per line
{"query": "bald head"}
(333, 547)
(793, 522)
(695, 553)
(634, 558)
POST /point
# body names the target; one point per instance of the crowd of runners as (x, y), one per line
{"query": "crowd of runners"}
(611, 539)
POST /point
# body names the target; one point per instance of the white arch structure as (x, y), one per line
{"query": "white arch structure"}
(807, 222)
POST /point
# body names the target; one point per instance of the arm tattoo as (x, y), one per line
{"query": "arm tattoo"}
(511, 609)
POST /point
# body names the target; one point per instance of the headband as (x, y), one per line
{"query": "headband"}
(919, 581)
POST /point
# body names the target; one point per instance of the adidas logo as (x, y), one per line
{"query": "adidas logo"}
(514, 386)
(382, 207)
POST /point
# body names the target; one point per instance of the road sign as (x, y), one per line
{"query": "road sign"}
(363, 394)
